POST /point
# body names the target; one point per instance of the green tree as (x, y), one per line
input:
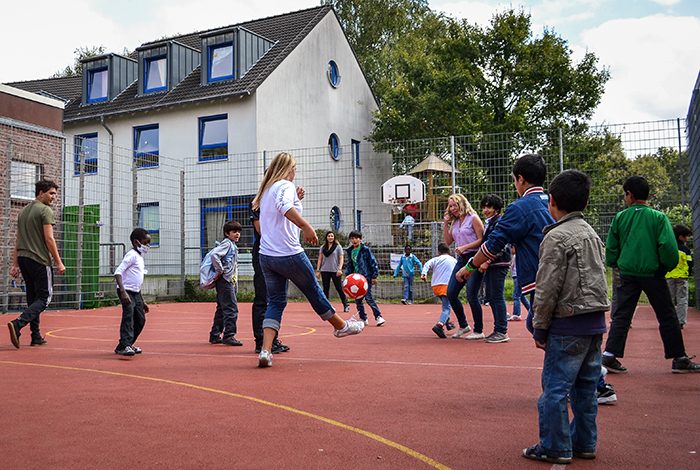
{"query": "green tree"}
(81, 53)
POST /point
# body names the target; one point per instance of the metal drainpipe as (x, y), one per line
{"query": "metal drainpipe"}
(111, 193)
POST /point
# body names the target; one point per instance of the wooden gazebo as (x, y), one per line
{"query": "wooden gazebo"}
(425, 171)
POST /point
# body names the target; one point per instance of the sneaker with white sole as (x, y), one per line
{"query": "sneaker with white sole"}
(461, 332)
(497, 337)
(380, 321)
(265, 358)
(606, 395)
(352, 327)
(475, 335)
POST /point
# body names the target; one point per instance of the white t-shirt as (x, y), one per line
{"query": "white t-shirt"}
(279, 236)
(442, 266)
(133, 269)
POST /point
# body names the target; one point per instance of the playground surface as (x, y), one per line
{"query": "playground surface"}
(391, 397)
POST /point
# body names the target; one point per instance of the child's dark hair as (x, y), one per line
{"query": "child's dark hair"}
(493, 201)
(355, 234)
(570, 190)
(443, 248)
(138, 234)
(637, 186)
(232, 226)
(680, 230)
(407, 247)
(43, 186)
(532, 168)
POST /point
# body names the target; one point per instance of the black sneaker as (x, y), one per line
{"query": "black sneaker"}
(231, 341)
(606, 396)
(613, 365)
(684, 365)
(537, 453)
(438, 330)
(38, 341)
(136, 349)
(584, 455)
(14, 333)
(126, 351)
(450, 326)
(215, 339)
(278, 347)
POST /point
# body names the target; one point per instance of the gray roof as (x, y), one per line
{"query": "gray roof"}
(287, 30)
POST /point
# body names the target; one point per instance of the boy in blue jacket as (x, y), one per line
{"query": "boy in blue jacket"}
(521, 226)
(406, 266)
(362, 261)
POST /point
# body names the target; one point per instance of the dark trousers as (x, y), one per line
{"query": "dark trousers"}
(326, 278)
(38, 280)
(627, 296)
(260, 299)
(133, 320)
(226, 314)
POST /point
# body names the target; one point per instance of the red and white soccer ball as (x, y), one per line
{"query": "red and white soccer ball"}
(355, 286)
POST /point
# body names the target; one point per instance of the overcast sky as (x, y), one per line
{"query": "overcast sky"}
(651, 47)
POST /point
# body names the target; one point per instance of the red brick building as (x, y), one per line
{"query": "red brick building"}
(31, 148)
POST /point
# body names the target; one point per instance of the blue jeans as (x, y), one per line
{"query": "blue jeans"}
(278, 271)
(445, 313)
(518, 297)
(408, 288)
(454, 287)
(571, 370)
(359, 303)
(494, 280)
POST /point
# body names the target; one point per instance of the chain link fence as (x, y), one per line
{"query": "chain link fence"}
(183, 201)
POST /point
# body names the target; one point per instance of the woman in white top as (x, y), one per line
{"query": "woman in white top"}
(330, 267)
(282, 257)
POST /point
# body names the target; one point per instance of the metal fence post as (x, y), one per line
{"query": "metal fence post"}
(182, 227)
(81, 229)
(7, 211)
(680, 173)
(454, 164)
(561, 151)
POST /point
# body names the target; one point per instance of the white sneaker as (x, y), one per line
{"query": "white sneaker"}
(380, 321)
(461, 332)
(352, 327)
(265, 359)
(475, 335)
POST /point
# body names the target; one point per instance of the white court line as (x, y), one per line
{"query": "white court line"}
(253, 358)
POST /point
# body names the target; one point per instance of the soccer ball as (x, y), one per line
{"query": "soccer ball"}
(355, 286)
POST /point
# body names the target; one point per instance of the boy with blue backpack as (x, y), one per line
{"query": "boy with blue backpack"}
(220, 270)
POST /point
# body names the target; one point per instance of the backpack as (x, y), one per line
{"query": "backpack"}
(207, 274)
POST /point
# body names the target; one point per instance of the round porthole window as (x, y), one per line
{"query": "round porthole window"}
(334, 146)
(333, 74)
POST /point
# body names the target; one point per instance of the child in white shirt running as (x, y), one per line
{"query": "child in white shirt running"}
(442, 266)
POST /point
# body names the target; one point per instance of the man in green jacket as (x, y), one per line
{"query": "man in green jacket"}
(641, 244)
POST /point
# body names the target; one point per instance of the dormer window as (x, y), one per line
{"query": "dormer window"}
(98, 81)
(156, 74)
(220, 61)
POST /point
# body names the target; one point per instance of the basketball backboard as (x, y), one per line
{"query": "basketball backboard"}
(403, 189)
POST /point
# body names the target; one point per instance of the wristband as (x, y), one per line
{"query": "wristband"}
(470, 265)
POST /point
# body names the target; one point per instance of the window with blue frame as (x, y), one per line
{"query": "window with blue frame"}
(156, 74)
(220, 62)
(149, 220)
(213, 138)
(98, 81)
(334, 146)
(355, 144)
(333, 74)
(214, 212)
(336, 221)
(85, 149)
(146, 146)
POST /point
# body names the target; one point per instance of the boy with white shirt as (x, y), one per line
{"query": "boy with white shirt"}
(442, 266)
(129, 277)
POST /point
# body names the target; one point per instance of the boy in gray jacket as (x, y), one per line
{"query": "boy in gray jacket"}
(569, 321)
(224, 260)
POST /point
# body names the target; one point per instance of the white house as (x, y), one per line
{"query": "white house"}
(186, 125)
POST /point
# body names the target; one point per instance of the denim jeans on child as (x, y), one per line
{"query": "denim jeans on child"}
(494, 280)
(445, 313)
(518, 297)
(226, 314)
(408, 288)
(359, 303)
(278, 270)
(570, 372)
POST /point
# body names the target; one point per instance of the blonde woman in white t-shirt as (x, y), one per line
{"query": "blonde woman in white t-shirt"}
(282, 257)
